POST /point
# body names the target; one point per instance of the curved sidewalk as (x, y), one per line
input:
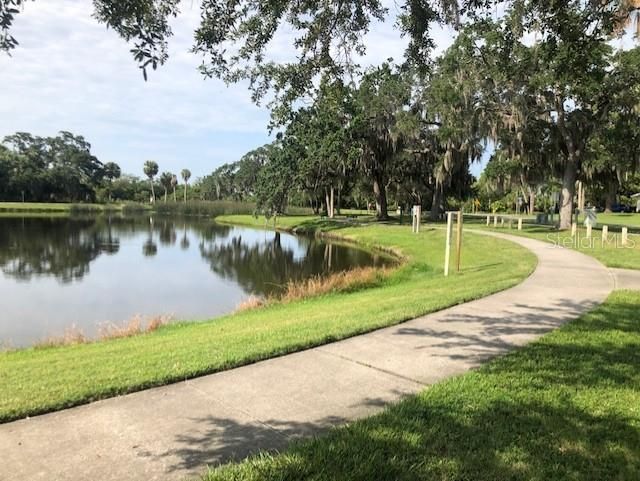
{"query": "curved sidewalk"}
(172, 432)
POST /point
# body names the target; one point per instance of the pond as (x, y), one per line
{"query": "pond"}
(58, 273)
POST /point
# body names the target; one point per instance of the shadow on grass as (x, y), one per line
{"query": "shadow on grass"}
(562, 408)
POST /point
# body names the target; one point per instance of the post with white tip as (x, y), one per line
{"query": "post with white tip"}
(447, 247)
(625, 236)
(459, 240)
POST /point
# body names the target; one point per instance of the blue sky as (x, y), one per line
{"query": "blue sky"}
(70, 73)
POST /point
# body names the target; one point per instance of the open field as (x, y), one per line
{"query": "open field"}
(631, 220)
(565, 407)
(47, 207)
(611, 253)
(621, 219)
(39, 380)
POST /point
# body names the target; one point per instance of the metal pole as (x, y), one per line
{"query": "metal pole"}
(447, 248)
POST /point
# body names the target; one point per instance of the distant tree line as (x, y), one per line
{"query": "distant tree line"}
(60, 168)
(63, 169)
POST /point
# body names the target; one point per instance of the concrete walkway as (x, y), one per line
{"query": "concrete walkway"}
(172, 432)
(626, 278)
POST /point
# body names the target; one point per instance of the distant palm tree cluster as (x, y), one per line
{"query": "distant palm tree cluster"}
(168, 180)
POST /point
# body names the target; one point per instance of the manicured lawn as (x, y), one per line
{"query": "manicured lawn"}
(39, 380)
(611, 254)
(41, 207)
(632, 220)
(566, 407)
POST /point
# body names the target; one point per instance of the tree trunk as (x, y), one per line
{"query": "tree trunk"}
(332, 211)
(153, 193)
(435, 204)
(612, 192)
(532, 201)
(327, 202)
(566, 198)
(174, 195)
(339, 200)
(165, 195)
(380, 193)
(185, 192)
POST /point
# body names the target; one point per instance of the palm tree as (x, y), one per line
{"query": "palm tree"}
(166, 180)
(186, 175)
(174, 183)
(151, 170)
(111, 172)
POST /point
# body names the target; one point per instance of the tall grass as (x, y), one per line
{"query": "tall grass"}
(76, 209)
(204, 208)
(344, 281)
(133, 327)
(133, 208)
(215, 208)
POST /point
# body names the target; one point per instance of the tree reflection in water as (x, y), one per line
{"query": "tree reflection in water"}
(62, 248)
(265, 267)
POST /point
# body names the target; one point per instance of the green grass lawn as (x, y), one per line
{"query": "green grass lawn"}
(566, 407)
(631, 220)
(35, 381)
(611, 254)
(34, 207)
(57, 207)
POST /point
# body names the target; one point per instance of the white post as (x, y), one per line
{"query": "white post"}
(625, 236)
(447, 248)
(605, 234)
(488, 220)
(589, 230)
(413, 219)
(501, 221)
(574, 229)
(520, 223)
(495, 221)
(418, 217)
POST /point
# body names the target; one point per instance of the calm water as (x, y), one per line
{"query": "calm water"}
(60, 272)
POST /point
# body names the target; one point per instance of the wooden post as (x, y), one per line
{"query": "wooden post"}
(488, 220)
(495, 221)
(459, 241)
(413, 219)
(574, 229)
(589, 230)
(625, 236)
(416, 213)
(501, 221)
(605, 234)
(447, 247)
(520, 223)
